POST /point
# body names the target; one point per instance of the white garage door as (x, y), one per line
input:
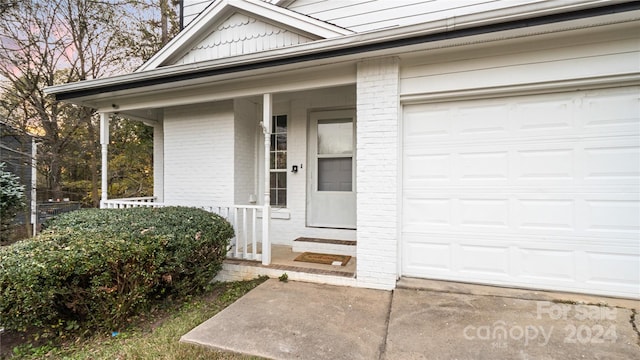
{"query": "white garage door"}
(537, 191)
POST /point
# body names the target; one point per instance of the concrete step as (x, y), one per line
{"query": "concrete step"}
(324, 246)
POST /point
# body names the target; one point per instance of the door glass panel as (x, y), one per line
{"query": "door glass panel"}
(334, 174)
(335, 136)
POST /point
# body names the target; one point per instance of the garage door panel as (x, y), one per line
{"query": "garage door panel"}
(540, 190)
(428, 168)
(558, 264)
(546, 214)
(474, 166)
(482, 259)
(613, 216)
(576, 114)
(424, 213)
(544, 164)
(524, 212)
(614, 161)
(490, 120)
(531, 117)
(611, 269)
(573, 162)
(490, 213)
(420, 128)
(610, 111)
(431, 256)
(567, 264)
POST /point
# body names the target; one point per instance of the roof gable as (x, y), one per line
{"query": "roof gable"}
(241, 34)
(234, 27)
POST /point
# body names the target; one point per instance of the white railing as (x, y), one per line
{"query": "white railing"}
(251, 241)
(147, 201)
(248, 242)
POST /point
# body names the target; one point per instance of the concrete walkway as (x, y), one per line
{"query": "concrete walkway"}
(421, 320)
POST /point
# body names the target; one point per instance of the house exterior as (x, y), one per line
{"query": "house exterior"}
(494, 142)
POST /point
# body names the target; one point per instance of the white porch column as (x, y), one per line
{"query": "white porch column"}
(266, 213)
(34, 186)
(104, 142)
(377, 172)
(158, 161)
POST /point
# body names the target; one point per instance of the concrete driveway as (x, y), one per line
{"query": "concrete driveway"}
(421, 320)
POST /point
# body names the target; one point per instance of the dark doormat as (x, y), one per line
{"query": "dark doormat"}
(327, 259)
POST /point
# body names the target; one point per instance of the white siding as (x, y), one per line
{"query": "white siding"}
(549, 58)
(241, 34)
(377, 172)
(193, 8)
(366, 15)
(199, 160)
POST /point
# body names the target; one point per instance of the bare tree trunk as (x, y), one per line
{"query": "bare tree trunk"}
(164, 20)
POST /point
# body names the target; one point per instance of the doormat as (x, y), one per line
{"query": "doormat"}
(327, 259)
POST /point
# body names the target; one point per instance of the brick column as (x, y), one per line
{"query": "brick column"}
(377, 172)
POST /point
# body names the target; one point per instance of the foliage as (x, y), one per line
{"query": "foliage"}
(45, 43)
(130, 159)
(155, 336)
(11, 200)
(93, 269)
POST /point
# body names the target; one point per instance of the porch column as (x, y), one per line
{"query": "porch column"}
(34, 186)
(266, 212)
(158, 161)
(377, 158)
(104, 142)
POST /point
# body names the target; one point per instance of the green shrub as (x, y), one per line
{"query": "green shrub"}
(12, 200)
(95, 268)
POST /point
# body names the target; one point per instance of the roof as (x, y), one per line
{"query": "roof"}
(222, 9)
(325, 48)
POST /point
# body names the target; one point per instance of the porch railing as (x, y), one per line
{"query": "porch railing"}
(250, 241)
(147, 201)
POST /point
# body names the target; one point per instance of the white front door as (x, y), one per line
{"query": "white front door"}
(331, 192)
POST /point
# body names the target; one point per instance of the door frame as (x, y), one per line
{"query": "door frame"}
(311, 173)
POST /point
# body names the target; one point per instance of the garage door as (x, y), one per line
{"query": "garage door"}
(538, 191)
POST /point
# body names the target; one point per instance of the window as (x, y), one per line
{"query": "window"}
(278, 167)
(335, 155)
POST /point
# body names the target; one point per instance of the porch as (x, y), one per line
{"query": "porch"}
(288, 157)
(245, 258)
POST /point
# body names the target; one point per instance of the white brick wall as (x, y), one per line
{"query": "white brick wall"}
(199, 161)
(377, 172)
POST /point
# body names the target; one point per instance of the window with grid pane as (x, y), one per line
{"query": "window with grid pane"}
(278, 167)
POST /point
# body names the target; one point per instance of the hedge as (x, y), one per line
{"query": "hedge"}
(95, 268)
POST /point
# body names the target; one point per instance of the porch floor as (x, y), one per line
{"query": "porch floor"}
(282, 258)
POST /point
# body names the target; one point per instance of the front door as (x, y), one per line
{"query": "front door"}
(331, 191)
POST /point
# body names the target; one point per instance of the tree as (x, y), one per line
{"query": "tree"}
(131, 159)
(43, 43)
(11, 200)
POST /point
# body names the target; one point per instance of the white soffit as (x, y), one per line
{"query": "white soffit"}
(220, 10)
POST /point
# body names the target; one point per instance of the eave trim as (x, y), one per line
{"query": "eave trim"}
(323, 53)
